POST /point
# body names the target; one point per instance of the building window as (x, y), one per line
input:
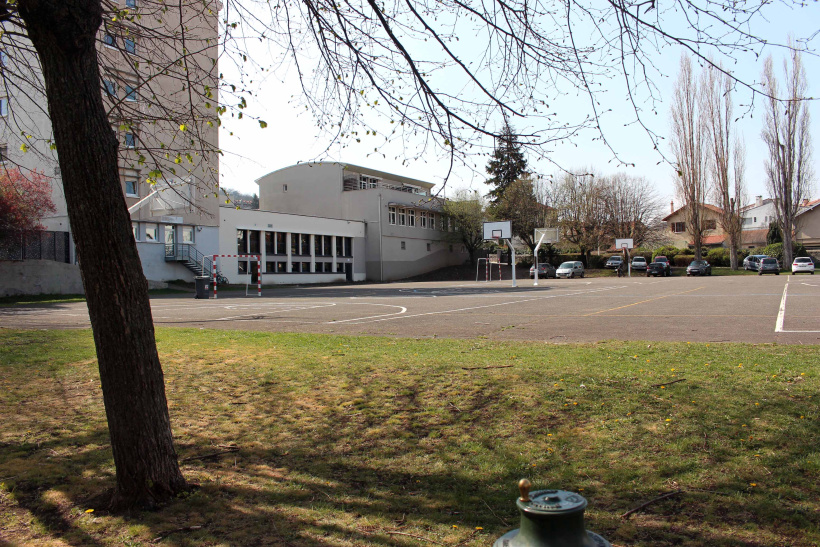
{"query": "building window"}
(710, 224)
(131, 4)
(678, 227)
(428, 247)
(254, 242)
(281, 267)
(281, 243)
(135, 228)
(151, 232)
(242, 267)
(130, 45)
(423, 219)
(755, 219)
(305, 267)
(403, 245)
(402, 217)
(284, 188)
(110, 88)
(411, 218)
(130, 140)
(187, 234)
(241, 241)
(4, 107)
(294, 244)
(305, 244)
(4, 153)
(328, 247)
(109, 40)
(340, 244)
(4, 59)
(131, 188)
(170, 234)
(391, 215)
(348, 246)
(432, 221)
(366, 182)
(130, 93)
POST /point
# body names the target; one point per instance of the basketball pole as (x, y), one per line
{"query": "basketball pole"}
(535, 258)
(512, 260)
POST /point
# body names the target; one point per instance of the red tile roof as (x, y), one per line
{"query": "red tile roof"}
(711, 240)
(751, 237)
(709, 206)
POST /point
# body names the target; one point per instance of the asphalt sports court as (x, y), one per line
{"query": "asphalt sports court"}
(709, 309)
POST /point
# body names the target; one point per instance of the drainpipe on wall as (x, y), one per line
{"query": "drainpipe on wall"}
(381, 237)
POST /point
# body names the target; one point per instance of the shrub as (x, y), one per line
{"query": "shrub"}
(668, 251)
(682, 261)
(718, 257)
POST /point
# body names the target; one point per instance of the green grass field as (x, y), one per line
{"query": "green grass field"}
(329, 440)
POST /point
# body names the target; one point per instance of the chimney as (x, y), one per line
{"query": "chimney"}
(672, 206)
(758, 201)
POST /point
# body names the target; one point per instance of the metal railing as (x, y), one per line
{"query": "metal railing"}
(190, 255)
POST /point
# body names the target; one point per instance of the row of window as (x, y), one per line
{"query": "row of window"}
(402, 216)
(110, 87)
(276, 243)
(152, 232)
(129, 45)
(680, 227)
(280, 266)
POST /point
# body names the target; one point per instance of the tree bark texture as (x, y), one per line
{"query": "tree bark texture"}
(63, 33)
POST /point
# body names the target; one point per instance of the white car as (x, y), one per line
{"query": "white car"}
(570, 270)
(803, 264)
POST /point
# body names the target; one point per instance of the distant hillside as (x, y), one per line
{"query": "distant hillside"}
(240, 199)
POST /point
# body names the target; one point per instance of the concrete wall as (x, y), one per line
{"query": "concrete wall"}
(39, 277)
(312, 189)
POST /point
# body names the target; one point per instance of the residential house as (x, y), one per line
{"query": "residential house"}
(755, 220)
(679, 234)
(807, 226)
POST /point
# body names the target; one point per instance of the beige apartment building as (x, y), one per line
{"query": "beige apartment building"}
(159, 83)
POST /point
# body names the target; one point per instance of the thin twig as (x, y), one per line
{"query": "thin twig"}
(504, 522)
(211, 455)
(668, 383)
(650, 502)
(485, 368)
(413, 536)
(454, 406)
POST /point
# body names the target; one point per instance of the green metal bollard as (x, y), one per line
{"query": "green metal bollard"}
(550, 518)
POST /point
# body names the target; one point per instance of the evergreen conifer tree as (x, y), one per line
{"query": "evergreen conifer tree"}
(507, 165)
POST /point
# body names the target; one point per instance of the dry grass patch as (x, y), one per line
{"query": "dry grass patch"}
(327, 440)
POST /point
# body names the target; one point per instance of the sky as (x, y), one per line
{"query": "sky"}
(291, 135)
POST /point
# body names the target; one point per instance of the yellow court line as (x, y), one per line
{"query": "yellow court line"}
(644, 301)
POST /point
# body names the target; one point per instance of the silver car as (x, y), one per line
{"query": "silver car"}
(570, 270)
(639, 263)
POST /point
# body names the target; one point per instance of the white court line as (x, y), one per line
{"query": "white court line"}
(781, 314)
(485, 306)
(403, 310)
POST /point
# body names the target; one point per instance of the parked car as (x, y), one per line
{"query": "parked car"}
(768, 265)
(803, 264)
(570, 270)
(752, 262)
(655, 269)
(639, 263)
(699, 267)
(545, 270)
(614, 262)
(667, 264)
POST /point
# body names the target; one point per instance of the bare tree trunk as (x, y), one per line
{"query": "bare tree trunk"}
(63, 33)
(688, 143)
(786, 133)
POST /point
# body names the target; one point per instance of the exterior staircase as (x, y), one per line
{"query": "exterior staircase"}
(190, 257)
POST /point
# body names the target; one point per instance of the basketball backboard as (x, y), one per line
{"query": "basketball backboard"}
(495, 231)
(623, 244)
(551, 235)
